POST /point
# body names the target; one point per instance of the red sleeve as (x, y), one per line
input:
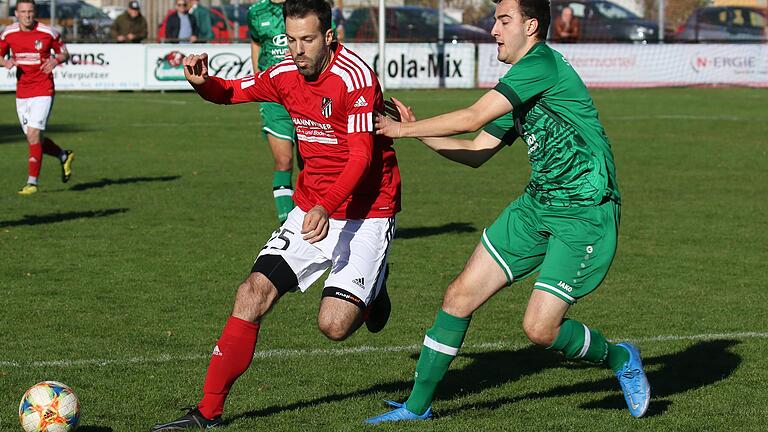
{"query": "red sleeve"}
(360, 140)
(58, 44)
(251, 88)
(4, 47)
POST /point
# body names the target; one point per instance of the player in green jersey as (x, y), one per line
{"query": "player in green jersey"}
(564, 226)
(266, 28)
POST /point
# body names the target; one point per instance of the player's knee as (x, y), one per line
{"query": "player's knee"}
(33, 136)
(539, 332)
(333, 328)
(456, 301)
(254, 297)
(283, 162)
(338, 318)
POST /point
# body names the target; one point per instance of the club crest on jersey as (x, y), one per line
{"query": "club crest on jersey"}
(38, 44)
(327, 107)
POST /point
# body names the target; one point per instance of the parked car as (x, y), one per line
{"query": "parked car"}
(601, 21)
(76, 19)
(604, 21)
(223, 26)
(409, 24)
(114, 11)
(724, 24)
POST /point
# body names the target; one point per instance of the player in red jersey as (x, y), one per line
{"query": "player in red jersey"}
(31, 44)
(347, 196)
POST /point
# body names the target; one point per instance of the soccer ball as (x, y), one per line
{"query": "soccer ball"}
(49, 406)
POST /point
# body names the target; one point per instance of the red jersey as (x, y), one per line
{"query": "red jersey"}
(30, 49)
(348, 170)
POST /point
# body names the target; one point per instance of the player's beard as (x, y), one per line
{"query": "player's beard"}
(312, 68)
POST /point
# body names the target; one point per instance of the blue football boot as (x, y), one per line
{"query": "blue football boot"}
(637, 391)
(398, 414)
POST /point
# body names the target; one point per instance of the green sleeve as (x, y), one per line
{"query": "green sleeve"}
(533, 75)
(503, 128)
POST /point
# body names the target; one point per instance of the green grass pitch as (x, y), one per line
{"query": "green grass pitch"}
(119, 282)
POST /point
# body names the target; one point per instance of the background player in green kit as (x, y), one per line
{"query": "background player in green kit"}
(565, 225)
(266, 27)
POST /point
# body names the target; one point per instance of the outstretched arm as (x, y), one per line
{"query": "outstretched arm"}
(472, 153)
(225, 92)
(489, 107)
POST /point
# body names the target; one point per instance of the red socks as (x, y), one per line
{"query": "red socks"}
(230, 358)
(36, 151)
(50, 148)
(35, 159)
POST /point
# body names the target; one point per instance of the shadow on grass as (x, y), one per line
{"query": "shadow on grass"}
(129, 180)
(678, 373)
(94, 429)
(60, 217)
(450, 228)
(12, 133)
(393, 387)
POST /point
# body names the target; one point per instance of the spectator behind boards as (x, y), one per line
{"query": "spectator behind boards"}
(131, 25)
(203, 18)
(181, 26)
(567, 28)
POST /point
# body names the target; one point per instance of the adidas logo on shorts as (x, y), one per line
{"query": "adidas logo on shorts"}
(359, 282)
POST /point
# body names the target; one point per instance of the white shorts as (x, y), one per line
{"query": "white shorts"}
(356, 251)
(34, 112)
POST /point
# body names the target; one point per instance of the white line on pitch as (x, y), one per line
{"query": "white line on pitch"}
(142, 100)
(284, 353)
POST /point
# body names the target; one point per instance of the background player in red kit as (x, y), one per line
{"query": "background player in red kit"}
(31, 45)
(347, 196)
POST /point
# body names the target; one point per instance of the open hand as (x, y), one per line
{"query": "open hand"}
(387, 126)
(397, 110)
(196, 68)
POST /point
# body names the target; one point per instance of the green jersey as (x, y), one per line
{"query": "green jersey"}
(571, 159)
(266, 27)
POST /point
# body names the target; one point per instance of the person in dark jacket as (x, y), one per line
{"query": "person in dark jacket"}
(131, 25)
(181, 26)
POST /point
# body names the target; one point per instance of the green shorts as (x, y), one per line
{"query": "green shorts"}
(277, 121)
(571, 247)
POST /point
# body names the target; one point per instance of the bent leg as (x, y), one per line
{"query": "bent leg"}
(338, 318)
(543, 316)
(234, 350)
(479, 281)
(481, 278)
(545, 325)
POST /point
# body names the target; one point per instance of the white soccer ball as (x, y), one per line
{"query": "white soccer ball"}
(49, 406)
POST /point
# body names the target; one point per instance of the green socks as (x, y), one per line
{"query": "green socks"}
(441, 345)
(283, 193)
(576, 340)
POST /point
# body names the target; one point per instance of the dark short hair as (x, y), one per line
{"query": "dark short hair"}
(302, 8)
(32, 2)
(537, 9)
